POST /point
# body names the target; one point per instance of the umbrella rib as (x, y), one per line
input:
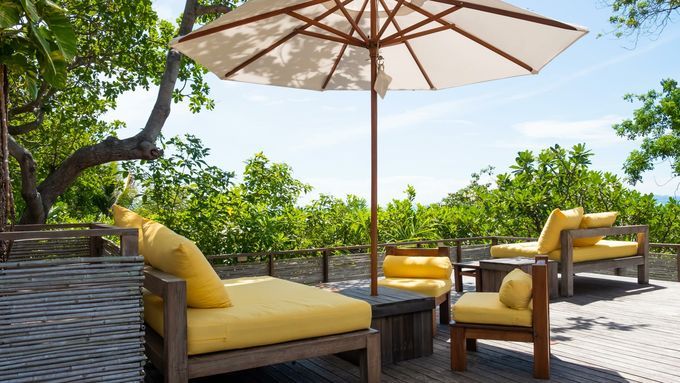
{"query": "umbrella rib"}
(430, 18)
(512, 14)
(336, 39)
(354, 24)
(342, 51)
(325, 27)
(410, 49)
(248, 20)
(472, 37)
(281, 41)
(390, 17)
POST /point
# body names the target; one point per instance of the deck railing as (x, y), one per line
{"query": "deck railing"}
(319, 261)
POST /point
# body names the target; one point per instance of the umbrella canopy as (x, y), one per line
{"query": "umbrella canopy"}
(376, 45)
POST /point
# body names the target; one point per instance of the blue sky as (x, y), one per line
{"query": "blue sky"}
(435, 140)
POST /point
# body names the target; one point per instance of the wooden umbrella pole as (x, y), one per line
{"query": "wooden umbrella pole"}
(373, 52)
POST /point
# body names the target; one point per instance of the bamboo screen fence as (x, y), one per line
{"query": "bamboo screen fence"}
(70, 306)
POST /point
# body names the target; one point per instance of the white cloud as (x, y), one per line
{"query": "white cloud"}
(595, 132)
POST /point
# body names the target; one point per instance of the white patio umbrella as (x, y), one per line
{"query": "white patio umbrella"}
(376, 45)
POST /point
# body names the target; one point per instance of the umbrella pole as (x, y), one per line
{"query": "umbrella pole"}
(373, 52)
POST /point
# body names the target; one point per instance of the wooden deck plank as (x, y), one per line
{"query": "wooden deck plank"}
(611, 330)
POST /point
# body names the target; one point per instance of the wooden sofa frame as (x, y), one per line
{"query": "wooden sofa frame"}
(464, 335)
(169, 352)
(444, 300)
(568, 268)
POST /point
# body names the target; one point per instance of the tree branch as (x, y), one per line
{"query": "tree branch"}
(203, 10)
(27, 127)
(44, 92)
(35, 211)
(139, 147)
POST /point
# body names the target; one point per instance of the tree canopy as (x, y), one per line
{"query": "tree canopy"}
(636, 17)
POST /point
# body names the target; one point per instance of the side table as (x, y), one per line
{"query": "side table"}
(470, 269)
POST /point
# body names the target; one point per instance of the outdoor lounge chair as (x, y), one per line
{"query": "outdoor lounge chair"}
(198, 325)
(423, 271)
(485, 316)
(580, 247)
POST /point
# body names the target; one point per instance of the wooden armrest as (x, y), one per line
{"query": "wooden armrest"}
(605, 231)
(159, 283)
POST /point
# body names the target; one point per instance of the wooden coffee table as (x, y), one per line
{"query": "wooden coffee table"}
(404, 320)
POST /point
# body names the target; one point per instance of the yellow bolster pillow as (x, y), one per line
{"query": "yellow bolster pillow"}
(397, 266)
(128, 219)
(594, 221)
(515, 291)
(171, 253)
(557, 221)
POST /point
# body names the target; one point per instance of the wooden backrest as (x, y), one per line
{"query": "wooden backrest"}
(541, 311)
(441, 251)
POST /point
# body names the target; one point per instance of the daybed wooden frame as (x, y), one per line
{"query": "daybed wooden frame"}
(568, 268)
(464, 335)
(169, 352)
(444, 300)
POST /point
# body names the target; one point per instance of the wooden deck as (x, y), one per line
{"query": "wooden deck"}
(612, 330)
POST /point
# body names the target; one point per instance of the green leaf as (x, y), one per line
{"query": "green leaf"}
(61, 28)
(40, 37)
(31, 10)
(56, 76)
(9, 14)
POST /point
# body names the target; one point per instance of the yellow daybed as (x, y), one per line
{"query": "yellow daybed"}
(199, 325)
(575, 241)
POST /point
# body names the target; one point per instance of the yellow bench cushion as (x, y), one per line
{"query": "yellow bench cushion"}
(512, 250)
(486, 308)
(170, 252)
(604, 249)
(594, 221)
(557, 221)
(128, 219)
(429, 287)
(266, 311)
(399, 266)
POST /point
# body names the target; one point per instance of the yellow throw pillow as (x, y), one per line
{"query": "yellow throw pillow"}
(559, 220)
(171, 253)
(126, 218)
(515, 290)
(399, 266)
(594, 221)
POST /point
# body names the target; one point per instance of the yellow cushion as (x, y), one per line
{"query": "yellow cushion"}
(486, 308)
(594, 221)
(559, 220)
(512, 250)
(604, 249)
(170, 252)
(126, 218)
(515, 291)
(266, 311)
(397, 266)
(429, 287)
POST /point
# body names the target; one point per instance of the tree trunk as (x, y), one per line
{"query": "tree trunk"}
(6, 198)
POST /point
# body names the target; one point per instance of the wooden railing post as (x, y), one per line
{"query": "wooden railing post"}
(325, 264)
(494, 241)
(459, 252)
(271, 264)
(677, 260)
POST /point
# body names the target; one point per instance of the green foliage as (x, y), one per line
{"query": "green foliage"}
(406, 220)
(36, 40)
(657, 123)
(262, 211)
(633, 17)
(182, 191)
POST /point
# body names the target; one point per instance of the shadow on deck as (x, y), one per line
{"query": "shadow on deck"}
(612, 330)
